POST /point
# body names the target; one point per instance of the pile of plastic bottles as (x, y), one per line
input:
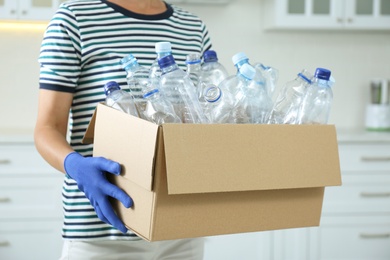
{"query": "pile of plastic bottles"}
(205, 93)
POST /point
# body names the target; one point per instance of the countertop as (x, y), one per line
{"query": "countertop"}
(17, 135)
(361, 136)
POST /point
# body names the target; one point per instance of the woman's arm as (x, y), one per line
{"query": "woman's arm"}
(51, 127)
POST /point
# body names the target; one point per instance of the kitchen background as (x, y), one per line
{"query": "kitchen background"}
(353, 56)
(355, 223)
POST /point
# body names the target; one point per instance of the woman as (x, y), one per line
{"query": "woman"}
(80, 52)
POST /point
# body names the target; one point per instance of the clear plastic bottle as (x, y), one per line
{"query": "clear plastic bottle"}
(194, 70)
(162, 49)
(256, 93)
(137, 78)
(193, 61)
(289, 99)
(271, 76)
(268, 75)
(213, 72)
(240, 59)
(218, 105)
(236, 85)
(178, 88)
(259, 102)
(158, 109)
(119, 99)
(317, 102)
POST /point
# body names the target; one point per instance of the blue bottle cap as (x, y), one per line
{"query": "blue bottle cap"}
(111, 86)
(239, 57)
(210, 56)
(166, 61)
(322, 73)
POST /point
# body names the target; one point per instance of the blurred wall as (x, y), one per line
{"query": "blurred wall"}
(354, 57)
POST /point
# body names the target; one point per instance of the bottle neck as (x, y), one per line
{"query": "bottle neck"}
(193, 67)
(110, 92)
(305, 76)
(243, 77)
(163, 54)
(321, 82)
(132, 67)
(169, 68)
(241, 62)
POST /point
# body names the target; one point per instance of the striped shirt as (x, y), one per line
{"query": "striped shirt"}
(80, 52)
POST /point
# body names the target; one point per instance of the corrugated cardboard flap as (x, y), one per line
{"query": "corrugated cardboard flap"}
(228, 157)
(90, 132)
(115, 133)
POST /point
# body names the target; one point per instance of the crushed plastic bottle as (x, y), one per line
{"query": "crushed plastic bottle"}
(218, 105)
(119, 99)
(236, 85)
(289, 99)
(178, 88)
(317, 102)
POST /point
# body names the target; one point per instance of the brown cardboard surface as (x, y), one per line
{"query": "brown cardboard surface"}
(203, 180)
(217, 158)
(128, 140)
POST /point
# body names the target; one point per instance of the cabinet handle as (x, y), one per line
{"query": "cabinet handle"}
(24, 12)
(4, 243)
(375, 194)
(350, 20)
(340, 20)
(4, 199)
(5, 161)
(375, 159)
(375, 236)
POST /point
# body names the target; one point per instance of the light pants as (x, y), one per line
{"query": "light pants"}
(184, 249)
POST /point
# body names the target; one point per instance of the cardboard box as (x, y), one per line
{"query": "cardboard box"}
(193, 180)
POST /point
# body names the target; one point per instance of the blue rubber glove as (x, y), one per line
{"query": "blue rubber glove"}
(90, 175)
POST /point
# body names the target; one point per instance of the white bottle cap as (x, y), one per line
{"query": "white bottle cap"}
(239, 57)
(163, 47)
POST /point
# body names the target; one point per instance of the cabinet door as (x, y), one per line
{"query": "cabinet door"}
(291, 244)
(30, 197)
(255, 245)
(367, 14)
(305, 14)
(37, 9)
(327, 14)
(30, 240)
(351, 237)
(359, 194)
(8, 9)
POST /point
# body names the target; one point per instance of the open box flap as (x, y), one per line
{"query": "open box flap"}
(90, 132)
(228, 157)
(126, 139)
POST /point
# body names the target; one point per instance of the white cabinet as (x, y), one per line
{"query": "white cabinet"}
(28, 9)
(327, 14)
(203, 2)
(30, 204)
(355, 221)
(246, 246)
(350, 237)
